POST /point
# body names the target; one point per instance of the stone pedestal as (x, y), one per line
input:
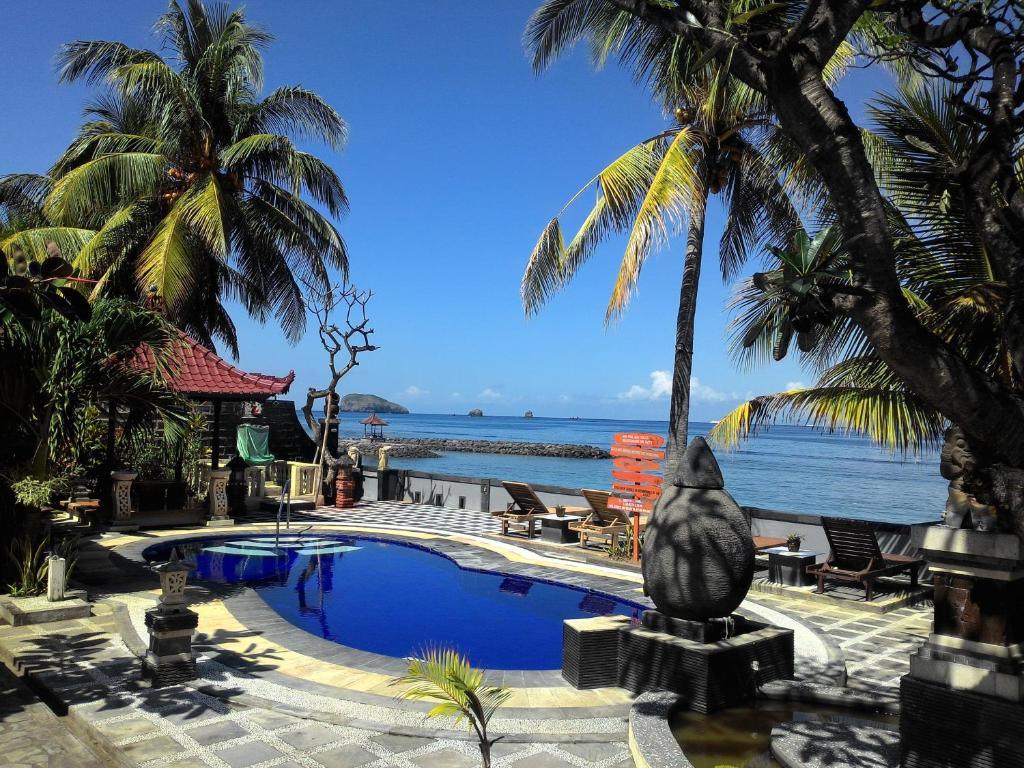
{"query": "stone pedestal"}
(121, 502)
(963, 700)
(169, 660)
(590, 651)
(710, 664)
(219, 499)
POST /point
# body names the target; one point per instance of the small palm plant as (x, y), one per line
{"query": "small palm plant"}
(461, 692)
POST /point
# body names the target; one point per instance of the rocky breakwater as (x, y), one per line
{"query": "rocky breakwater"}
(429, 447)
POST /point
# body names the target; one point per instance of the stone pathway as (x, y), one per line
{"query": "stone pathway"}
(877, 647)
(31, 736)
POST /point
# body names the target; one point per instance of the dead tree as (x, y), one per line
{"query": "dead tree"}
(344, 343)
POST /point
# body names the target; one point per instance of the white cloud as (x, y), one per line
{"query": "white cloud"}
(661, 387)
(701, 392)
(412, 391)
(490, 393)
(456, 395)
(795, 385)
(564, 398)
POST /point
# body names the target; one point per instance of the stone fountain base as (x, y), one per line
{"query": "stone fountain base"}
(710, 664)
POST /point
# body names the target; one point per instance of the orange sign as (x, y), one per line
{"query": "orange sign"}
(634, 506)
(636, 453)
(636, 463)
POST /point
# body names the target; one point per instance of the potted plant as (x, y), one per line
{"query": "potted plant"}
(793, 542)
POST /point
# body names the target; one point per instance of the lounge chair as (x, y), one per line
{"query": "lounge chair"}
(855, 556)
(524, 510)
(602, 523)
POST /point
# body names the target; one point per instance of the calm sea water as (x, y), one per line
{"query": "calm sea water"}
(796, 469)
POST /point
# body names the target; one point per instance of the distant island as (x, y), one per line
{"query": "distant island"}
(476, 412)
(528, 415)
(369, 404)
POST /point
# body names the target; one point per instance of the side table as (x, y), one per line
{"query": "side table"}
(556, 529)
(790, 568)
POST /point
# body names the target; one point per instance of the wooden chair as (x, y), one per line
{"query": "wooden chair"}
(855, 556)
(603, 524)
(529, 506)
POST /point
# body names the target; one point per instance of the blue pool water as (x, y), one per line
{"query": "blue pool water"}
(397, 599)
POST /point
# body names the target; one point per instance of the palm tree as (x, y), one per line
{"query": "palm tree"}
(946, 274)
(723, 141)
(192, 182)
(461, 692)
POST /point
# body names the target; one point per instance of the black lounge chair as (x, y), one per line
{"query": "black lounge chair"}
(855, 556)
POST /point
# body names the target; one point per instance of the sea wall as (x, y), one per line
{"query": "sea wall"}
(488, 495)
(427, 447)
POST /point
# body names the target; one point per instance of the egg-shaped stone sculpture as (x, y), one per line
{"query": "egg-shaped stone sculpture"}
(698, 552)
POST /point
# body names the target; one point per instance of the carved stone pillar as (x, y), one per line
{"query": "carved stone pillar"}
(219, 499)
(121, 501)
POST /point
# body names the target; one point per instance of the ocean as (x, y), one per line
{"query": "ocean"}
(789, 468)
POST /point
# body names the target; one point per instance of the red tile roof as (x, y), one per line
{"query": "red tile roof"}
(374, 420)
(200, 373)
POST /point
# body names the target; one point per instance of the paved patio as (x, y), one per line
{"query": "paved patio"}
(267, 698)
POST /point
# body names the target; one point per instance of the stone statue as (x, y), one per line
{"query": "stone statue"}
(957, 463)
(698, 558)
(356, 456)
(382, 460)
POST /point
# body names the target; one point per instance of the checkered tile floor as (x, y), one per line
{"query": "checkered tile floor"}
(395, 514)
(877, 647)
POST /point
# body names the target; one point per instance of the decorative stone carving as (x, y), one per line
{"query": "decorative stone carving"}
(219, 498)
(122, 495)
(698, 558)
(355, 456)
(957, 463)
(382, 458)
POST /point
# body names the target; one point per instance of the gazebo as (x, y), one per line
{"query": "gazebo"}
(373, 427)
(201, 375)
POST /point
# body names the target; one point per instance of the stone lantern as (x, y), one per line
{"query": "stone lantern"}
(169, 660)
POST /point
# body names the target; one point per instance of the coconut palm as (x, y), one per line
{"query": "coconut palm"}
(460, 692)
(723, 141)
(945, 271)
(192, 182)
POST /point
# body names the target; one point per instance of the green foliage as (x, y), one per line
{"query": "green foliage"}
(460, 692)
(56, 373)
(31, 565)
(623, 549)
(917, 150)
(33, 492)
(184, 177)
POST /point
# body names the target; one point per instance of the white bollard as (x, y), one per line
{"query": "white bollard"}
(56, 578)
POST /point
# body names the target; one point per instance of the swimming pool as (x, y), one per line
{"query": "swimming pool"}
(395, 598)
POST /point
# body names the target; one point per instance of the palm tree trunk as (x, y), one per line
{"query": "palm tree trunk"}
(679, 414)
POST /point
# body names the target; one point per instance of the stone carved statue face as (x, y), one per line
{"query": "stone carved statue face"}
(353, 453)
(957, 459)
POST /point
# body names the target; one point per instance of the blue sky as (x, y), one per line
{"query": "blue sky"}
(458, 156)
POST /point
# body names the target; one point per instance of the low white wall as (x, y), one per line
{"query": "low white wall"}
(487, 495)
